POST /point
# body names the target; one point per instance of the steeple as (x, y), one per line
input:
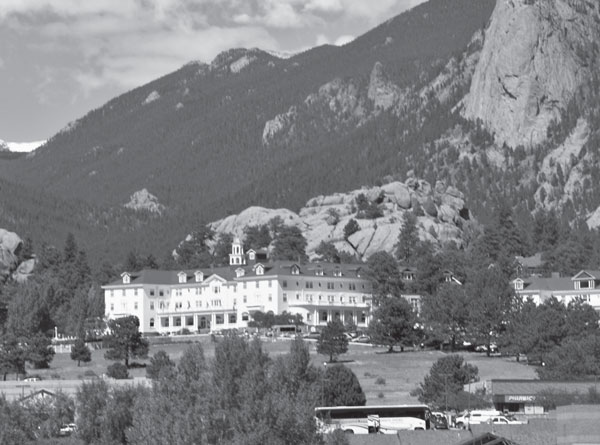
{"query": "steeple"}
(237, 257)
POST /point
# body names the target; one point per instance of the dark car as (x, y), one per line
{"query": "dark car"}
(439, 421)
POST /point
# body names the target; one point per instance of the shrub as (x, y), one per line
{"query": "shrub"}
(89, 373)
(117, 371)
(380, 381)
(380, 395)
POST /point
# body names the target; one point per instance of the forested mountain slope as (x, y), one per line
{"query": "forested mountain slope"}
(416, 95)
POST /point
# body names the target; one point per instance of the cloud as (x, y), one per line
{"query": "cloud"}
(342, 40)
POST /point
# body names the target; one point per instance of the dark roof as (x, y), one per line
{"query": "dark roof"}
(533, 261)
(278, 268)
(549, 284)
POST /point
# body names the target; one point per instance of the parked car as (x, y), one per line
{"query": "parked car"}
(362, 339)
(484, 348)
(32, 379)
(439, 421)
(506, 420)
(67, 429)
(312, 335)
(475, 417)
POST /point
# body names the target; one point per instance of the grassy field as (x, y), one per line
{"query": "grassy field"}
(385, 378)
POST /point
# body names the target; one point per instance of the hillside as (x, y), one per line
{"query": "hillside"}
(416, 95)
(194, 138)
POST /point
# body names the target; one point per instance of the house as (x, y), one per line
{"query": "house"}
(224, 298)
(529, 266)
(584, 285)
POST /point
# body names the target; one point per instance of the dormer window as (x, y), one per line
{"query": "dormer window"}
(260, 270)
(337, 273)
(126, 277)
(239, 272)
(252, 255)
(518, 284)
(295, 270)
(182, 277)
(199, 276)
(319, 272)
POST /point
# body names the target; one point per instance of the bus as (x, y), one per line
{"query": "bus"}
(382, 419)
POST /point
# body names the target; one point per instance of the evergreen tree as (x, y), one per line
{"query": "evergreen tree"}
(160, 367)
(125, 340)
(408, 239)
(393, 323)
(290, 244)
(342, 388)
(332, 341)
(80, 352)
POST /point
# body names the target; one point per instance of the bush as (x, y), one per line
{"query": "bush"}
(380, 381)
(380, 395)
(117, 371)
(90, 373)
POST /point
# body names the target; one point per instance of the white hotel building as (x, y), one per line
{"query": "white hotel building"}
(224, 298)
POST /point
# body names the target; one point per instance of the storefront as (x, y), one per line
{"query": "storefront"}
(525, 396)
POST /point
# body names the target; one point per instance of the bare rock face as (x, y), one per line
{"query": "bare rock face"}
(9, 245)
(144, 200)
(323, 218)
(535, 56)
(381, 91)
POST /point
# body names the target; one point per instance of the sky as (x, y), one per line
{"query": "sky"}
(60, 59)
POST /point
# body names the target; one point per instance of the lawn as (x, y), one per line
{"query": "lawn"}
(385, 378)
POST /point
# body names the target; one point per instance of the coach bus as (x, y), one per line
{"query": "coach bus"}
(383, 419)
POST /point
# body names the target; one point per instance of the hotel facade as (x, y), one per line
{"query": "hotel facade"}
(214, 299)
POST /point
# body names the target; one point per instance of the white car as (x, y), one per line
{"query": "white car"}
(67, 429)
(503, 420)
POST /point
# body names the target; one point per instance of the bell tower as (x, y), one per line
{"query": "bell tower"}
(237, 257)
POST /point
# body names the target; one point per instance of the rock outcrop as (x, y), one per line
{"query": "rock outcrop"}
(535, 56)
(10, 243)
(143, 200)
(323, 218)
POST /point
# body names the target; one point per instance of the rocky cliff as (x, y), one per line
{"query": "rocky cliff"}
(536, 55)
(442, 218)
(10, 243)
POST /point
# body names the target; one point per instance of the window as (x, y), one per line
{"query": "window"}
(284, 283)
(135, 306)
(297, 296)
(245, 299)
(284, 297)
(257, 284)
(270, 297)
(177, 321)
(161, 293)
(244, 285)
(308, 317)
(216, 289)
(219, 319)
(152, 322)
(330, 286)
(161, 305)
(152, 292)
(189, 320)
(232, 318)
(164, 322)
(309, 284)
(152, 305)
(323, 315)
(112, 306)
(352, 286)
(178, 305)
(245, 316)
(270, 283)
(363, 317)
(135, 292)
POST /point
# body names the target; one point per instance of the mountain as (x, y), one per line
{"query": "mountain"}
(20, 147)
(497, 99)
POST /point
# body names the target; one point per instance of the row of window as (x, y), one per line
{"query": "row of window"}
(217, 289)
(188, 320)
